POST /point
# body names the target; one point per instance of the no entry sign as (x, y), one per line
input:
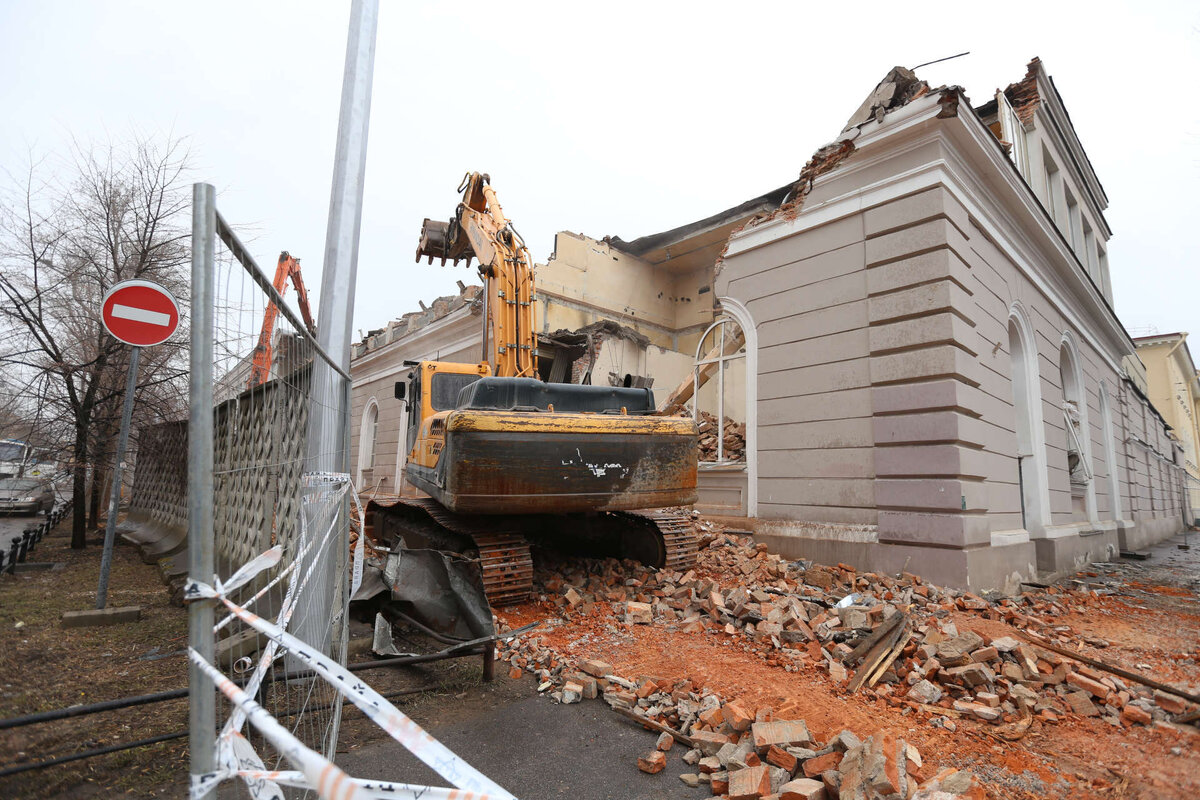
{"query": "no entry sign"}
(140, 313)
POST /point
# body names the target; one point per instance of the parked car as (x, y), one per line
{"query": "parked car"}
(29, 495)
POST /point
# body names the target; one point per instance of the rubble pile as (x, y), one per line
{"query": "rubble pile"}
(734, 433)
(890, 638)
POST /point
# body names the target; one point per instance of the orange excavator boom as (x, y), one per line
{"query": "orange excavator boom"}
(288, 267)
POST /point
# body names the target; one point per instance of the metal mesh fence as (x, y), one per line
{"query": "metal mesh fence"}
(260, 494)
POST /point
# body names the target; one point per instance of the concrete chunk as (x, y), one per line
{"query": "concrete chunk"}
(750, 783)
(781, 734)
(101, 616)
(803, 789)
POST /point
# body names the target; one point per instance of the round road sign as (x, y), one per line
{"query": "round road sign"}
(140, 313)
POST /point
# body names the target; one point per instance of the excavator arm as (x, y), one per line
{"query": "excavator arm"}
(480, 230)
(288, 267)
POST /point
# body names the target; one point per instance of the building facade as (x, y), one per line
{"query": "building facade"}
(942, 381)
(912, 358)
(1172, 387)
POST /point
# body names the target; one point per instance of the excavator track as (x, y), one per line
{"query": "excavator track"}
(659, 537)
(676, 536)
(505, 564)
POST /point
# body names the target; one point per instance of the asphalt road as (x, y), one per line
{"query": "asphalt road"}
(538, 750)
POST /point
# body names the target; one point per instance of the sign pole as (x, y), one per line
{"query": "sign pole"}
(110, 530)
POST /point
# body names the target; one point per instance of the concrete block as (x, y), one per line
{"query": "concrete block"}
(845, 404)
(851, 492)
(821, 267)
(934, 494)
(821, 239)
(907, 211)
(941, 460)
(896, 398)
(822, 322)
(918, 238)
(935, 329)
(788, 302)
(823, 378)
(245, 643)
(930, 528)
(855, 432)
(39, 566)
(999, 568)
(845, 462)
(939, 361)
(929, 298)
(927, 267)
(101, 616)
(935, 426)
(819, 350)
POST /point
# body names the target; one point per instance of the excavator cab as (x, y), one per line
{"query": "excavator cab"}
(491, 445)
(432, 393)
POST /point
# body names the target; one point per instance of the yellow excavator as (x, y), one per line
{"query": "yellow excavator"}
(506, 458)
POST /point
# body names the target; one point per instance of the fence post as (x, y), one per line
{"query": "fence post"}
(202, 719)
(114, 503)
(328, 426)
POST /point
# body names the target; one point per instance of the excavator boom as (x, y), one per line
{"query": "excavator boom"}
(479, 230)
(287, 267)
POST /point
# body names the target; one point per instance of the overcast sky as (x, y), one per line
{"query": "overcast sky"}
(601, 118)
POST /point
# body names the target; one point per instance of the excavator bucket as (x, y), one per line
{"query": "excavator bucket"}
(435, 241)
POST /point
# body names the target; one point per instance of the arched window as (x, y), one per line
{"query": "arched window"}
(1077, 431)
(366, 440)
(1030, 431)
(719, 396)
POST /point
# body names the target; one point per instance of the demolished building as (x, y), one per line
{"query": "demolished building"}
(915, 360)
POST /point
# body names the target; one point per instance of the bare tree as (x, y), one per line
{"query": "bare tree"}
(120, 215)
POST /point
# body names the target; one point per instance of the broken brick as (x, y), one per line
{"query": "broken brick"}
(1092, 687)
(1132, 715)
(597, 669)
(781, 758)
(653, 762)
(737, 716)
(815, 766)
(639, 613)
(751, 783)
(1081, 704)
(783, 734)
(709, 742)
(803, 789)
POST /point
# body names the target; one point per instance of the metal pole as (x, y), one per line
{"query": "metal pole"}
(202, 719)
(328, 428)
(110, 530)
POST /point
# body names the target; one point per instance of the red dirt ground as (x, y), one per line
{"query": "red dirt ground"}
(1073, 758)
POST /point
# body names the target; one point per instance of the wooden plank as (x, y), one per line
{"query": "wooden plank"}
(658, 726)
(873, 638)
(875, 656)
(1115, 670)
(683, 392)
(905, 635)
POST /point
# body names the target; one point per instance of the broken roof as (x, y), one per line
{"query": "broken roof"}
(413, 321)
(1037, 88)
(689, 246)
